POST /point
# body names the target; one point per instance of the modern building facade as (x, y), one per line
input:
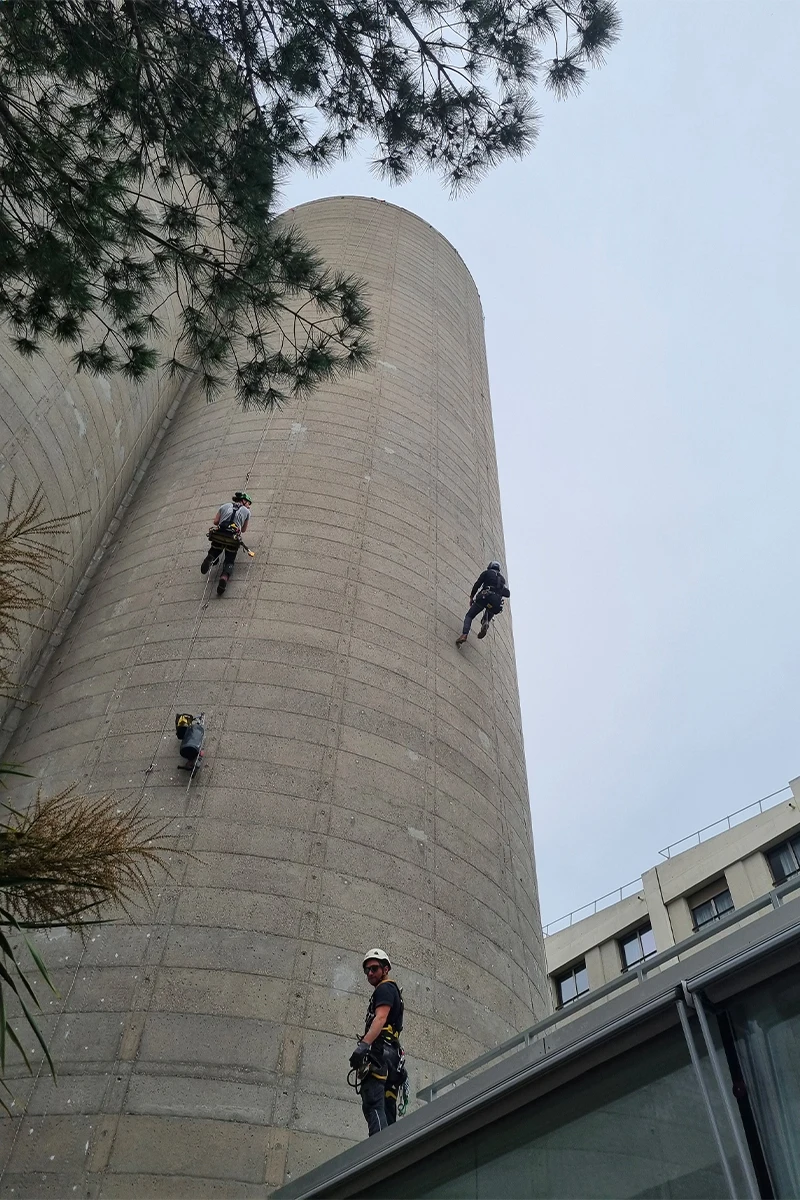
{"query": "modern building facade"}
(678, 1080)
(364, 781)
(697, 887)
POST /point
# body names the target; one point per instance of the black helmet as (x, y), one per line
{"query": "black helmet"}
(493, 566)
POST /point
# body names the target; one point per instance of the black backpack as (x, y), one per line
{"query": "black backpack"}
(494, 589)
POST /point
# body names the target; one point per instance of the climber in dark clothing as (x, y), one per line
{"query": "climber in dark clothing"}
(378, 1058)
(225, 535)
(487, 595)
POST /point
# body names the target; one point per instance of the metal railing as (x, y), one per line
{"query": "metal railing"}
(594, 906)
(634, 976)
(695, 839)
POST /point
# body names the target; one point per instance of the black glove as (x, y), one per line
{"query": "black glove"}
(359, 1054)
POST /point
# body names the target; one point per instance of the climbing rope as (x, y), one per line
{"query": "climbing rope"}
(202, 606)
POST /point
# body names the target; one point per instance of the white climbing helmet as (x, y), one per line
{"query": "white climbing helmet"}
(381, 956)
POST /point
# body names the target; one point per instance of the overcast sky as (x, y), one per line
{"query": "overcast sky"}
(639, 276)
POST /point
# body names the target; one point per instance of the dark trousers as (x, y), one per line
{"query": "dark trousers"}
(230, 558)
(478, 605)
(379, 1092)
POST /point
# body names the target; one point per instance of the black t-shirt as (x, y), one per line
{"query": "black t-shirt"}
(387, 992)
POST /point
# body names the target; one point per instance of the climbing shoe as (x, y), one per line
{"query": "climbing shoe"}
(223, 583)
(484, 629)
(462, 637)
(205, 565)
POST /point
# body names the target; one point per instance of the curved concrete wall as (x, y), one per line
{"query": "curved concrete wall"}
(82, 438)
(365, 780)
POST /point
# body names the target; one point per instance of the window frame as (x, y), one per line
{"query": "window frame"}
(571, 973)
(792, 844)
(712, 899)
(637, 931)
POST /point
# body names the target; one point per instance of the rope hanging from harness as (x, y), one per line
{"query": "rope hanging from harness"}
(397, 1086)
(403, 1091)
(357, 1075)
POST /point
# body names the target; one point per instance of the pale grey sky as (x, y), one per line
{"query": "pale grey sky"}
(639, 273)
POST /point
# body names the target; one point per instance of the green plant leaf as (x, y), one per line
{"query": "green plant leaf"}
(38, 1034)
(18, 1044)
(2, 1031)
(41, 968)
(12, 769)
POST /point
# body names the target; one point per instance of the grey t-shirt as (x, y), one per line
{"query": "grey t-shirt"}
(240, 517)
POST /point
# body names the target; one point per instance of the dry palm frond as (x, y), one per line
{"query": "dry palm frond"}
(27, 554)
(69, 854)
(59, 862)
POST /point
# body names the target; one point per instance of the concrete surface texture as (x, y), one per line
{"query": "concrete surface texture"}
(364, 781)
(82, 438)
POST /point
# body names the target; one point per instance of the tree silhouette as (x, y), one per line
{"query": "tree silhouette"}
(142, 143)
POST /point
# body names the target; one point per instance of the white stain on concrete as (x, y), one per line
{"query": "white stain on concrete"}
(80, 422)
(298, 435)
(484, 740)
(417, 834)
(387, 366)
(412, 755)
(344, 979)
(388, 449)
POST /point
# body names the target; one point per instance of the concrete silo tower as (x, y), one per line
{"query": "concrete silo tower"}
(364, 782)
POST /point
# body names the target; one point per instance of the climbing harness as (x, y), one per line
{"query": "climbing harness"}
(222, 540)
(397, 1087)
(495, 605)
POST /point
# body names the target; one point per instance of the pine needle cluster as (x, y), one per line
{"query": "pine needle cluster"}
(142, 143)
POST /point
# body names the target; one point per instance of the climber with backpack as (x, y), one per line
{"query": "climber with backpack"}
(488, 593)
(225, 536)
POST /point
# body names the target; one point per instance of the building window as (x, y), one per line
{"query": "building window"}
(636, 946)
(784, 860)
(572, 983)
(712, 909)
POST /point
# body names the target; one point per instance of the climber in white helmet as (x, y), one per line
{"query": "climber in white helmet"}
(378, 1059)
